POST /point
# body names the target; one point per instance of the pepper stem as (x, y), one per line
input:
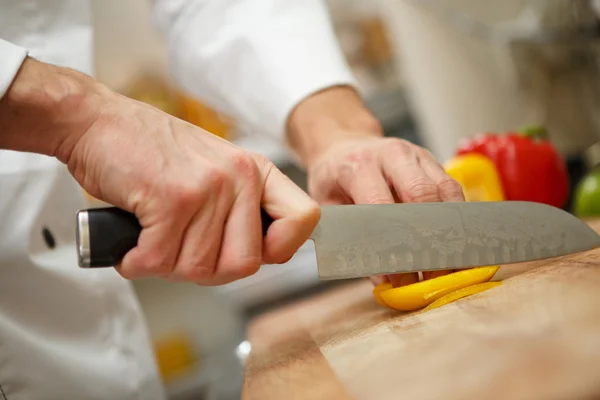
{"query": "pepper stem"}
(534, 132)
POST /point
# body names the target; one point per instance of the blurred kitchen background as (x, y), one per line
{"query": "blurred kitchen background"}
(433, 71)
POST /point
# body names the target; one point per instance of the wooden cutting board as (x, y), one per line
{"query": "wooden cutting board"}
(537, 336)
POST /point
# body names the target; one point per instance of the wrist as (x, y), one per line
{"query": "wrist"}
(327, 117)
(47, 108)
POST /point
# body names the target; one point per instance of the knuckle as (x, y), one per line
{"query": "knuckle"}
(183, 194)
(247, 266)
(450, 187)
(195, 271)
(238, 268)
(215, 181)
(217, 178)
(399, 147)
(361, 156)
(244, 164)
(425, 154)
(261, 160)
(356, 161)
(153, 264)
(422, 190)
(200, 273)
(278, 257)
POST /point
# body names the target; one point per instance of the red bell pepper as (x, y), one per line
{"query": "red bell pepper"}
(530, 168)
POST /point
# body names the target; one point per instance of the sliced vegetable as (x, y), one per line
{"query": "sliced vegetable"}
(380, 288)
(461, 293)
(420, 294)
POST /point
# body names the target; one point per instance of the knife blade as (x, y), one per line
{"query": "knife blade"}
(353, 241)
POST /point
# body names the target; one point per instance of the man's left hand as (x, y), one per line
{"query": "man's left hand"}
(349, 161)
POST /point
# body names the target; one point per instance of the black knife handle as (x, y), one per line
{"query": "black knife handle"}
(104, 235)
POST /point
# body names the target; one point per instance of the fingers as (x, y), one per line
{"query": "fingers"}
(224, 243)
(164, 222)
(216, 233)
(448, 188)
(208, 230)
(402, 166)
(241, 246)
(364, 183)
(154, 253)
(416, 175)
(201, 244)
(295, 216)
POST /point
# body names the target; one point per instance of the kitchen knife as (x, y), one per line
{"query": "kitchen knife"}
(354, 241)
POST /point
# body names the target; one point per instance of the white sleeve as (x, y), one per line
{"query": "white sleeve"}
(11, 58)
(253, 60)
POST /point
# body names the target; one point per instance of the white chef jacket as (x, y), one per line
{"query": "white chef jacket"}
(68, 333)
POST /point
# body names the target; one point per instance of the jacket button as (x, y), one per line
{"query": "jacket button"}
(48, 238)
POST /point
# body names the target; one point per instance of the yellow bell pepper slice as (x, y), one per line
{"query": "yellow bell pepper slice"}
(478, 176)
(420, 294)
(380, 288)
(461, 293)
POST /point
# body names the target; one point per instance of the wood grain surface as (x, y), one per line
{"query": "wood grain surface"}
(537, 336)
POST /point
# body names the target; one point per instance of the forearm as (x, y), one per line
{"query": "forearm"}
(326, 117)
(46, 108)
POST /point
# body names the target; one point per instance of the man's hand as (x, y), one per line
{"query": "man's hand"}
(197, 196)
(350, 162)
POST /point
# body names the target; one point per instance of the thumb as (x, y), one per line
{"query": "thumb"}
(294, 213)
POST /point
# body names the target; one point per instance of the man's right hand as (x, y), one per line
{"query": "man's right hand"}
(197, 196)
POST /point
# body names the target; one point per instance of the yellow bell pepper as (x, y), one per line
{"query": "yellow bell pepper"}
(380, 288)
(478, 177)
(420, 294)
(461, 293)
